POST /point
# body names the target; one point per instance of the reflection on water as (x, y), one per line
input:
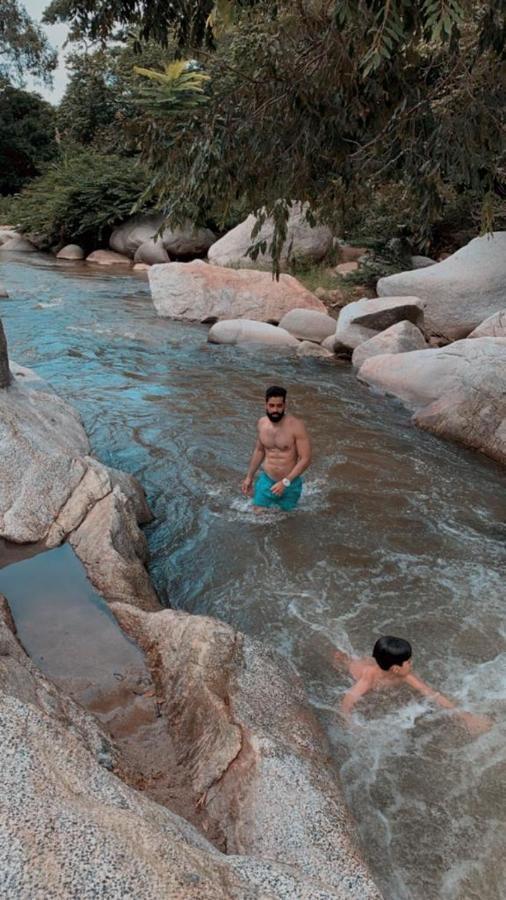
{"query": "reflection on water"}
(397, 532)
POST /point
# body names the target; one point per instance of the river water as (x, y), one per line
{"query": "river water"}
(398, 532)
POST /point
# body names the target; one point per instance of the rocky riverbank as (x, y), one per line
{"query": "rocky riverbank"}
(263, 812)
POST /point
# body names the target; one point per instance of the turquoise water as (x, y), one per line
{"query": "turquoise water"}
(397, 532)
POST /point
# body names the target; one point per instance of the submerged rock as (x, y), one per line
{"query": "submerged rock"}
(244, 331)
(462, 290)
(198, 292)
(309, 348)
(458, 392)
(242, 726)
(303, 244)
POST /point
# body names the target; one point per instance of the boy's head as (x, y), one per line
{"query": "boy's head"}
(391, 651)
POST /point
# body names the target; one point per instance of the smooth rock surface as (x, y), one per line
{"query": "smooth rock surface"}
(70, 829)
(240, 721)
(198, 292)
(151, 252)
(185, 242)
(421, 262)
(108, 258)
(18, 244)
(458, 392)
(303, 243)
(494, 326)
(309, 348)
(70, 251)
(402, 337)
(308, 325)
(5, 375)
(461, 291)
(363, 319)
(245, 331)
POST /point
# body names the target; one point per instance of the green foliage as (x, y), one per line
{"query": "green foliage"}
(27, 137)
(23, 45)
(80, 197)
(177, 89)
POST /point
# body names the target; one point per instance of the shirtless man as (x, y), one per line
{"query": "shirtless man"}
(284, 451)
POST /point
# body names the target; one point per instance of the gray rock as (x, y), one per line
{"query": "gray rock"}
(245, 331)
(18, 244)
(329, 343)
(151, 252)
(108, 258)
(309, 348)
(199, 292)
(70, 251)
(363, 319)
(494, 326)
(461, 291)
(421, 262)
(304, 244)
(186, 241)
(402, 337)
(240, 721)
(5, 375)
(7, 233)
(306, 324)
(458, 391)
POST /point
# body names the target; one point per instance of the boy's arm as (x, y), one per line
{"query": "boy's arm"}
(361, 687)
(474, 724)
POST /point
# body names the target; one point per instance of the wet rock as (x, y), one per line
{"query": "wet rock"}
(459, 292)
(197, 291)
(245, 331)
(108, 258)
(18, 244)
(458, 391)
(5, 375)
(494, 326)
(306, 324)
(183, 242)
(70, 251)
(402, 337)
(240, 721)
(69, 828)
(151, 252)
(304, 244)
(309, 348)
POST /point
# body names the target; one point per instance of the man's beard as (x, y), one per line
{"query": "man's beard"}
(275, 417)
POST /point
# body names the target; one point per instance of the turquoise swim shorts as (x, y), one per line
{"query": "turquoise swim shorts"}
(263, 495)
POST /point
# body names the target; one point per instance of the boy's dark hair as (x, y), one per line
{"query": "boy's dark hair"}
(391, 651)
(275, 391)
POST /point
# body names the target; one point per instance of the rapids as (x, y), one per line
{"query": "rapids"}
(398, 532)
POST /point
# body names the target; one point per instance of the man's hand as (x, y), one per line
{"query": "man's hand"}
(278, 489)
(475, 724)
(247, 486)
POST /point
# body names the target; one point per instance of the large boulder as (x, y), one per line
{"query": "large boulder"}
(7, 233)
(458, 392)
(5, 375)
(308, 325)
(402, 337)
(245, 331)
(461, 291)
(18, 244)
(70, 828)
(108, 258)
(303, 244)
(200, 292)
(186, 241)
(51, 489)
(494, 326)
(240, 722)
(363, 319)
(70, 251)
(151, 252)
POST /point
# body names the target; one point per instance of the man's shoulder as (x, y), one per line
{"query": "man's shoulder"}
(295, 423)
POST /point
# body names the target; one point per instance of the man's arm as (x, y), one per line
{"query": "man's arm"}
(255, 462)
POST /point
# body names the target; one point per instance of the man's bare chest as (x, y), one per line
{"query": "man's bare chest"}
(277, 439)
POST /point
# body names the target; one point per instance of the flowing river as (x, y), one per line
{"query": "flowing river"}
(397, 533)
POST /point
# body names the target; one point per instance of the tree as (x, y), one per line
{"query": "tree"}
(27, 137)
(23, 46)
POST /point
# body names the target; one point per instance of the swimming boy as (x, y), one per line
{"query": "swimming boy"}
(283, 450)
(390, 666)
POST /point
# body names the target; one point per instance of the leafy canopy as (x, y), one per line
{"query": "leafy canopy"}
(23, 45)
(27, 137)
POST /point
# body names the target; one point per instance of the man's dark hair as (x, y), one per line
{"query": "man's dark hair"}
(275, 391)
(391, 651)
